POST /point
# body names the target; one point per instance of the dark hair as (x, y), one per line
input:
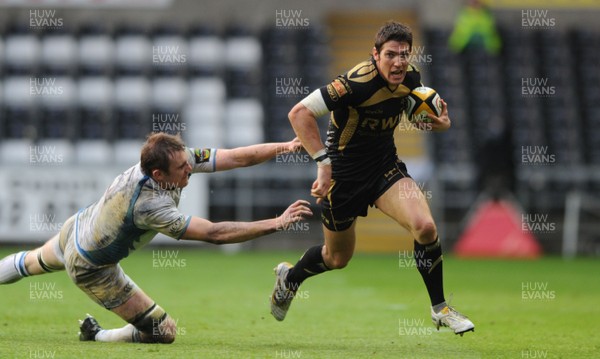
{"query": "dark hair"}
(157, 152)
(393, 31)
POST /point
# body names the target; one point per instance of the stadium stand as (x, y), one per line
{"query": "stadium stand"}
(225, 87)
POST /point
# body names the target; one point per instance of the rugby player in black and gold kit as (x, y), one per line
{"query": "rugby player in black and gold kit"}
(358, 167)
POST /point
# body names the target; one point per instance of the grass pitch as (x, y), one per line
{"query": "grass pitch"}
(375, 308)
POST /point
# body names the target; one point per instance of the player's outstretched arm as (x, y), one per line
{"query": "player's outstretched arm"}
(305, 126)
(252, 155)
(234, 232)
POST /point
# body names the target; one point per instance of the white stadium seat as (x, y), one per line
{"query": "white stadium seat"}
(127, 152)
(169, 50)
(22, 51)
(93, 152)
(132, 92)
(133, 52)
(206, 53)
(17, 92)
(59, 51)
(96, 51)
(207, 89)
(169, 92)
(15, 151)
(243, 122)
(60, 148)
(205, 124)
(66, 92)
(176, 43)
(95, 92)
(243, 53)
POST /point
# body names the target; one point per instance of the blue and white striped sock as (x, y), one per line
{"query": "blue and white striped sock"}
(12, 268)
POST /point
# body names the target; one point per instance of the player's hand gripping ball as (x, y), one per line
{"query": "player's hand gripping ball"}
(421, 101)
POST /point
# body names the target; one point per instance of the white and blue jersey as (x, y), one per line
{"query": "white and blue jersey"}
(131, 212)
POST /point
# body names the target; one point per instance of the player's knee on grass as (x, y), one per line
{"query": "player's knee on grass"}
(166, 332)
(155, 326)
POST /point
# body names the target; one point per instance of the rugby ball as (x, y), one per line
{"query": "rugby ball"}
(422, 101)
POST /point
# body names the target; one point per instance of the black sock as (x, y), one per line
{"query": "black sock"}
(428, 259)
(310, 264)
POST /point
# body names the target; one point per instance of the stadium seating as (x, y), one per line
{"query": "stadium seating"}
(62, 149)
(114, 81)
(482, 90)
(95, 103)
(298, 59)
(169, 51)
(133, 52)
(204, 112)
(206, 51)
(243, 122)
(21, 51)
(57, 104)
(127, 151)
(225, 88)
(205, 121)
(132, 101)
(19, 108)
(93, 152)
(96, 52)
(15, 151)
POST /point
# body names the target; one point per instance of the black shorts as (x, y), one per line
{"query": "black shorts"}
(346, 200)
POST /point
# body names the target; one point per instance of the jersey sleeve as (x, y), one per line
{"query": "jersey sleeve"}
(202, 159)
(161, 215)
(353, 87)
(338, 93)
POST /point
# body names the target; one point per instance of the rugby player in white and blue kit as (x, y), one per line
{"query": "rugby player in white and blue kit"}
(140, 203)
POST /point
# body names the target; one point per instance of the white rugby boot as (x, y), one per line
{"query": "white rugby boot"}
(449, 317)
(282, 296)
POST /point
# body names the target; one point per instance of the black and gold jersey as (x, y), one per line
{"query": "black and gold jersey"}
(364, 113)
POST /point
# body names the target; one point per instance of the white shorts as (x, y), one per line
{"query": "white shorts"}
(106, 285)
